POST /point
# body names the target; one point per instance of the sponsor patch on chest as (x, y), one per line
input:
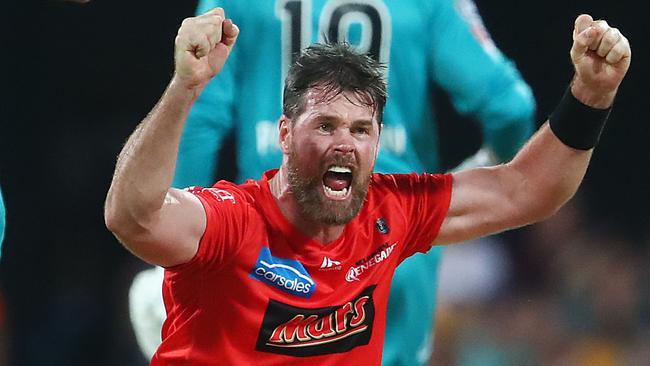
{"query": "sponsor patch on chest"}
(300, 332)
(287, 275)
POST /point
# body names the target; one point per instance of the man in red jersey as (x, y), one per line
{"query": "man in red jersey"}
(295, 268)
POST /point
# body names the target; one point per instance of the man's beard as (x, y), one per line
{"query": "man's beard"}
(307, 190)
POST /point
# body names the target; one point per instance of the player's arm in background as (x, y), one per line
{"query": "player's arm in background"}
(545, 173)
(2, 221)
(209, 122)
(480, 81)
(160, 224)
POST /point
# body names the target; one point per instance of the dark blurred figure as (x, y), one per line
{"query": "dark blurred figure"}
(66, 84)
(2, 300)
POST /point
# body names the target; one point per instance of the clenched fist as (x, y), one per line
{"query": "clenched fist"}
(601, 56)
(203, 44)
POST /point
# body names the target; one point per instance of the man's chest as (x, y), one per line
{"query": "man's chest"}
(294, 266)
(321, 300)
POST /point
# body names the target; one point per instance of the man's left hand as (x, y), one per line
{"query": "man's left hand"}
(601, 56)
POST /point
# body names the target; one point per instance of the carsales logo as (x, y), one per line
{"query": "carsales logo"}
(285, 274)
(381, 254)
(301, 332)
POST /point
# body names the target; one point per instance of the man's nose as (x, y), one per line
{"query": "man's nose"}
(344, 142)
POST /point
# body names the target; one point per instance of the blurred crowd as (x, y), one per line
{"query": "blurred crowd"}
(568, 292)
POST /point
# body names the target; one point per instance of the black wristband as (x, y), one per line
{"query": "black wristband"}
(577, 125)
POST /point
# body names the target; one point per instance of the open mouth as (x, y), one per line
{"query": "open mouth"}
(337, 181)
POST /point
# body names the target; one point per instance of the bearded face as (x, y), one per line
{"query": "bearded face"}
(331, 194)
(330, 151)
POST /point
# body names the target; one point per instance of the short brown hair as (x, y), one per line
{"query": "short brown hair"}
(336, 68)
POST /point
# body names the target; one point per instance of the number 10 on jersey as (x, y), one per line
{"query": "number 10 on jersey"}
(335, 22)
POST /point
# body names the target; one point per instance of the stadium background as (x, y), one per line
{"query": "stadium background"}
(76, 79)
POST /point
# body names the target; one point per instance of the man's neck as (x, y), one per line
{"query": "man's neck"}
(289, 207)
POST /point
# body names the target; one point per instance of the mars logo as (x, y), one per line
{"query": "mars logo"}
(285, 274)
(302, 332)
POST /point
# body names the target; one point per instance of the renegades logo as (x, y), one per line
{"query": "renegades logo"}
(378, 256)
(294, 331)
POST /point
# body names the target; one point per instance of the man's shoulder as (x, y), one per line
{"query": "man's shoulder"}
(224, 190)
(385, 185)
(397, 179)
(249, 185)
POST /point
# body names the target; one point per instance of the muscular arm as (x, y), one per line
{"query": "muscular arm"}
(533, 186)
(545, 173)
(141, 209)
(160, 224)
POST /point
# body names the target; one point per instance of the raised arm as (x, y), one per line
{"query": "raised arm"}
(157, 223)
(210, 120)
(547, 171)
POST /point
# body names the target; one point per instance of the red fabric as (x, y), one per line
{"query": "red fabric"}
(220, 313)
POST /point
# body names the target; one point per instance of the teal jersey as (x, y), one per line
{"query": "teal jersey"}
(424, 43)
(2, 221)
(439, 42)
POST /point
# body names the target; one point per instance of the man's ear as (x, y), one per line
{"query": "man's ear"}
(284, 125)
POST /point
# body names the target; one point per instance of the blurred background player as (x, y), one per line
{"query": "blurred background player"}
(2, 300)
(438, 44)
(2, 221)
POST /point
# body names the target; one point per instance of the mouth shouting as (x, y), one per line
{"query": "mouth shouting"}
(337, 182)
(331, 196)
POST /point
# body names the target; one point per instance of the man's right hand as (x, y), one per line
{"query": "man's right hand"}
(202, 45)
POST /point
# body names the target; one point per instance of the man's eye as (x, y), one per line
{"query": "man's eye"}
(325, 127)
(361, 130)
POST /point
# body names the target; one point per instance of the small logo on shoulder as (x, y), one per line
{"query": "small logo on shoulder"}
(222, 195)
(382, 226)
(287, 275)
